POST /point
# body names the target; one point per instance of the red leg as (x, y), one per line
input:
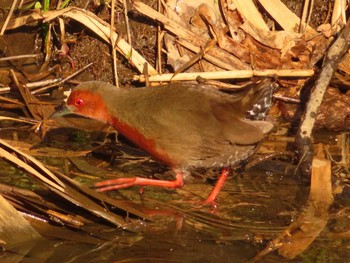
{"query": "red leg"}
(219, 184)
(138, 181)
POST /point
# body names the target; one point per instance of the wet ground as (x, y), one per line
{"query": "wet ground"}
(253, 208)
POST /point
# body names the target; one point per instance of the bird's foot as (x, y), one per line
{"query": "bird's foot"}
(211, 203)
(195, 205)
(211, 199)
(121, 183)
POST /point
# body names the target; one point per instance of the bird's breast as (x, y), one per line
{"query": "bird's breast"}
(147, 144)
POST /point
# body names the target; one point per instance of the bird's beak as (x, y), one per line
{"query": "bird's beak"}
(62, 111)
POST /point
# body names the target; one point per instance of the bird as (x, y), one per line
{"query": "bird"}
(183, 125)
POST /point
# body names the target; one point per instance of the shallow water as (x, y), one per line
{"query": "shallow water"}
(253, 208)
(250, 212)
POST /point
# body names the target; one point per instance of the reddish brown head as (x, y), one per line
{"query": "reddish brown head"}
(89, 100)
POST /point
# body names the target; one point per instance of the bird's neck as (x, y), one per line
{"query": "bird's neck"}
(136, 137)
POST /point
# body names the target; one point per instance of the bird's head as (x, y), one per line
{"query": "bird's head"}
(89, 100)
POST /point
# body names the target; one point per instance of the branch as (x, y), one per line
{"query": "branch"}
(303, 137)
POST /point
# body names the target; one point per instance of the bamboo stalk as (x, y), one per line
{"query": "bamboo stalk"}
(235, 74)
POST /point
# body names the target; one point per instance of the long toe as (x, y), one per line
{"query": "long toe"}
(115, 184)
(120, 183)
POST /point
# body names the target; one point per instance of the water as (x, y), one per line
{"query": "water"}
(253, 208)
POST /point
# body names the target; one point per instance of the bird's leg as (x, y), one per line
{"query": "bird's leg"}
(120, 183)
(219, 184)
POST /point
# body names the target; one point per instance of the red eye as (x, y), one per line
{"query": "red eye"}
(79, 102)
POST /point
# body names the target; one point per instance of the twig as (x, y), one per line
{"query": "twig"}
(215, 58)
(46, 84)
(31, 121)
(19, 57)
(303, 137)
(113, 42)
(219, 84)
(307, 10)
(13, 101)
(20, 4)
(160, 35)
(286, 99)
(4, 26)
(197, 57)
(127, 22)
(59, 81)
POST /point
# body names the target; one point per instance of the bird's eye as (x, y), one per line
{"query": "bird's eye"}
(79, 102)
